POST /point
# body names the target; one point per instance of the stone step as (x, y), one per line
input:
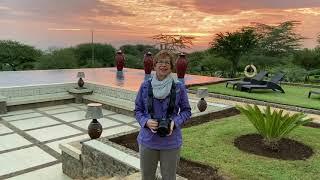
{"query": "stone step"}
(94, 178)
(135, 176)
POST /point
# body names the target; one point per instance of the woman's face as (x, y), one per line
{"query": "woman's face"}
(163, 68)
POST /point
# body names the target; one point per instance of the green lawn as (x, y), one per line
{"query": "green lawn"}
(294, 95)
(212, 144)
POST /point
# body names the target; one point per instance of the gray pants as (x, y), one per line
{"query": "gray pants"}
(149, 158)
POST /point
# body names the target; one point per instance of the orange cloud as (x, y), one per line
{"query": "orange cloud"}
(131, 21)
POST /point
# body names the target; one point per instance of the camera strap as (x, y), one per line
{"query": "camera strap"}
(172, 100)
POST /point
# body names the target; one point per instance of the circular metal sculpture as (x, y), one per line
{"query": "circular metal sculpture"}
(120, 60)
(250, 71)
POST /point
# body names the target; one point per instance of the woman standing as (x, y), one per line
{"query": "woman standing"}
(160, 102)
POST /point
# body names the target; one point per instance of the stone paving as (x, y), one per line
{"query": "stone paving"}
(29, 139)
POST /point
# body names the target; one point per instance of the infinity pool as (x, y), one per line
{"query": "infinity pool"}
(130, 80)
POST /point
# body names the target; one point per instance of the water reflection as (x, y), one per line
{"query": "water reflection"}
(129, 79)
(120, 78)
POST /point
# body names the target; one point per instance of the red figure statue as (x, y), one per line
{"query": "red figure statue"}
(119, 60)
(181, 65)
(148, 63)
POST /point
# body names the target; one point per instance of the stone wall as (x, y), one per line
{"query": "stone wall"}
(15, 92)
(102, 158)
(71, 166)
(112, 92)
(99, 164)
(3, 105)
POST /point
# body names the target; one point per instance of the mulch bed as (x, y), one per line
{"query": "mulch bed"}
(312, 124)
(187, 168)
(212, 117)
(288, 149)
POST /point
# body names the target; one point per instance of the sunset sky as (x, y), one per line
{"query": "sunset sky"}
(61, 23)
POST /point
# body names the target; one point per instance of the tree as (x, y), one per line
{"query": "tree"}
(207, 63)
(103, 54)
(260, 61)
(278, 40)
(195, 59)
(173, 42)
(307, 58)
(134, 54)
(138, 50)
(232, 46)
(318, 40)
(146, 48)
(17, 55)
(58, 59)
(133, 61)
(216, 66)
(130, 49)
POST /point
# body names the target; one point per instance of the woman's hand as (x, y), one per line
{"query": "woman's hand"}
(171, 127)
(152, 125)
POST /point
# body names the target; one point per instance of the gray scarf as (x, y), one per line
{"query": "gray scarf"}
(161, 89)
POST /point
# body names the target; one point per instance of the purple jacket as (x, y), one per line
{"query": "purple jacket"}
(153, 140)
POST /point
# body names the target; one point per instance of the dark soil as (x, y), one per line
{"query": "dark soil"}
(195, 170)
(129, 141)
(312, 124)
(188, 169)
(287, 150)
(211, 117)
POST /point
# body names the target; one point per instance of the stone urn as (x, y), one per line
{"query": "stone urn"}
(202, 105)
(119, 60)
(94, 112)
(80, 83)
(148, 63)
(80, 75)
(94, 129)
(202, 93)
(181, 66)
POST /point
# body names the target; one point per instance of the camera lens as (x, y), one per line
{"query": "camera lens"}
(163, 128)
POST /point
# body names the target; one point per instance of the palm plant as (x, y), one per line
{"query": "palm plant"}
(273, 125)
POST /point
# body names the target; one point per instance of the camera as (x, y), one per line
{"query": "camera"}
(163, 127)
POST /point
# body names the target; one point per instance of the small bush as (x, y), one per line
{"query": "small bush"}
(272, 125)
(292, 73)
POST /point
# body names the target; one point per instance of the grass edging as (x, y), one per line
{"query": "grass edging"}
(259, 102)
(213, 144)
(301, 84)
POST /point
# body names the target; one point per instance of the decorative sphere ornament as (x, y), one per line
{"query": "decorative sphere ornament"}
(202, 93)
(202, 105)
